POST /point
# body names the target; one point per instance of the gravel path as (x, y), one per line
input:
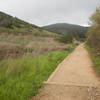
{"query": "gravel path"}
(74, 79)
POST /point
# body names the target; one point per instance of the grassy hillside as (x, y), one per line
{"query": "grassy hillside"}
(64, 28)
(28, 55)
(14, 25)
(19, 38)
(11, 22)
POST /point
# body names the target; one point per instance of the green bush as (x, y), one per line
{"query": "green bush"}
(65, 38)
(94, 32)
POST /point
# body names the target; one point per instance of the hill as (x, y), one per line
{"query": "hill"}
(10, 24)
(10, 21)
(65, 28)
(19, 38)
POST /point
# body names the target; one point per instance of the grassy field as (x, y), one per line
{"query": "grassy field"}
(21, 78)
(28, 55)
(95, 59)
(17, 45)
(36, 31)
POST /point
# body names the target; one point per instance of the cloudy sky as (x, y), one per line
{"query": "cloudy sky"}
(44, 12)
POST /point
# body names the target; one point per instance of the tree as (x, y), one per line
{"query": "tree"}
(94, 31)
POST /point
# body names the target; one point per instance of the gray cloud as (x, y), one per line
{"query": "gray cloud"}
(43, 12)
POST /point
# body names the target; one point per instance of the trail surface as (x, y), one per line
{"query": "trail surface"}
(74, 79)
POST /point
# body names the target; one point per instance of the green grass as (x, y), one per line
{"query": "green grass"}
(95, 59)
(21, 78)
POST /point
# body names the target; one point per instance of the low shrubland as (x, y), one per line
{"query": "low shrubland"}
(16, 26)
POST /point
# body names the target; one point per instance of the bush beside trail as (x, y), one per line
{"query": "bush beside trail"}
(94, 32)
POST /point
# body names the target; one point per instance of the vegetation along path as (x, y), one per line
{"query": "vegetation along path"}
(74, 79)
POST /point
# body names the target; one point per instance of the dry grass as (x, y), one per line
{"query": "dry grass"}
(10, 50)
(17, 45)
(45, 46)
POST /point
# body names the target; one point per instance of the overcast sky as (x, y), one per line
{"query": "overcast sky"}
(44, 12)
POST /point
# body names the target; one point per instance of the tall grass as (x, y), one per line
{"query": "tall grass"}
(21, 78)
(95, 59)
(36, 31)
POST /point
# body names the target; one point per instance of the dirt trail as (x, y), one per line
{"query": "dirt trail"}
(74, 79)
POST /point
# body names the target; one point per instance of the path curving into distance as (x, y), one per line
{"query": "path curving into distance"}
(74, 79)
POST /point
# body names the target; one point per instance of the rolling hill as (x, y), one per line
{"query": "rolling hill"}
(8, 21)
(65, 28)
(10, 24)
(19, 38)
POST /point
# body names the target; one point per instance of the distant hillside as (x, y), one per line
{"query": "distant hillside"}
(10, 21)
(64, 28)
(10, 24)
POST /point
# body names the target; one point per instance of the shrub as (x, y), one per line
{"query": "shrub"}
(94, 32)
(65, 38)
